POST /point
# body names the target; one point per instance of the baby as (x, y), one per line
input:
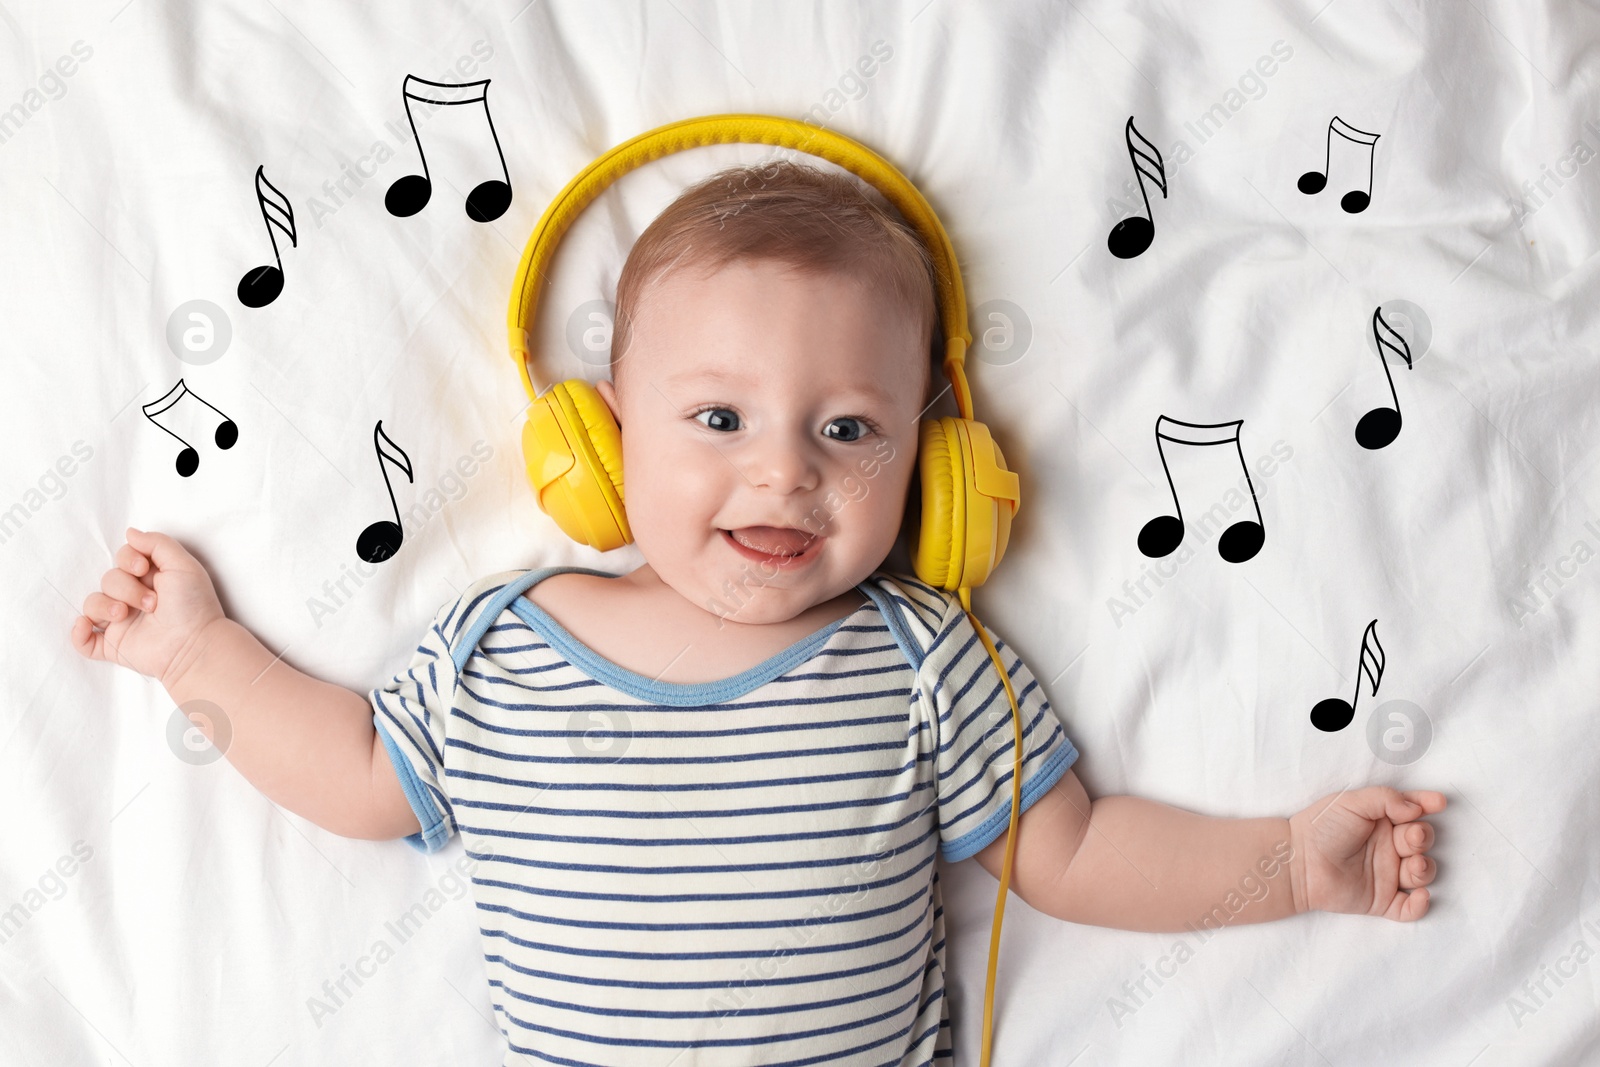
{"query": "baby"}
(701, 802)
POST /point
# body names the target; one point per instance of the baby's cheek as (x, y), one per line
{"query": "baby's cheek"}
(885, 503)
(673, 485)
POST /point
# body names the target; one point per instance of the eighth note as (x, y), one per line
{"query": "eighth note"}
(1380, 426)
(227, 433)
(1162, 534)
(383, 538)
(410, 194)
(1334, 714)
(1314, 181)
(1133, 235)
(261, 286)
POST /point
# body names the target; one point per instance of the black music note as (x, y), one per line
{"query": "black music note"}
(261, 286)
(383, 538)
(1380, 426)
(1334, 714)
(1133, 235)
(188, 459)
(1162, 534)
(409, 194)
(1314, 181)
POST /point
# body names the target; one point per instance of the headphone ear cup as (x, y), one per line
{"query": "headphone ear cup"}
(937, 546)
(963, 532)
(573, 450)
(601, 430)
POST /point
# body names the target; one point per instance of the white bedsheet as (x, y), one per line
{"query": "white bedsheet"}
(164, 912)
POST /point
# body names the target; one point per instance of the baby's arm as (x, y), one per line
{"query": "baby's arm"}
(1135, 864)
(310, 746)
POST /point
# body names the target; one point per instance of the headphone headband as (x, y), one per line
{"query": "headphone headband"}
(747, 129)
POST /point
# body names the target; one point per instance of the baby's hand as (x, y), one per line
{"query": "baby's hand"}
(151, 608)
(1359, 849)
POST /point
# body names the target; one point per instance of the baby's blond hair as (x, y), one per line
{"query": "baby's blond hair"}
(810, 219)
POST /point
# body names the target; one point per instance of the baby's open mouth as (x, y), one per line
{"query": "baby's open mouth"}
(773, 540)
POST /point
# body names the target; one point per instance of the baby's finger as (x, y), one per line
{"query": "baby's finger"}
(1409, 907)
(133, 561)
(164, 551)
(97, 644)
(90, 642)
(1413, 838)
(1417, 872)
(120, 585)
(103, 611)
(1431, 801)
(85, 638)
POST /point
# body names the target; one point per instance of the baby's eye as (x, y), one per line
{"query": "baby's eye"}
(856, 428)
(726, 419)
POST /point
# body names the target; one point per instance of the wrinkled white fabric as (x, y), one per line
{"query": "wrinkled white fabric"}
(164, 911)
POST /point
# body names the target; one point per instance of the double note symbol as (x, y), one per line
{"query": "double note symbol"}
(1133, 235)
(1162, 534)
(383, 538)
(410, 194)
(262, 284)
(1380, 426)
(225, 434)
(1334, 714)
(1314, 181)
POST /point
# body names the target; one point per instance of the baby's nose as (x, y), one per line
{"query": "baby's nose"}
(783, 466)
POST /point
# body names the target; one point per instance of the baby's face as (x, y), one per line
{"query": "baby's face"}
(762, 397)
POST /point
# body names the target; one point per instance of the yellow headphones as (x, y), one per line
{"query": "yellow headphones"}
(573, 447)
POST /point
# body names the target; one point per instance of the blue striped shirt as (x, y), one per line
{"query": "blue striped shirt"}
(742, 868)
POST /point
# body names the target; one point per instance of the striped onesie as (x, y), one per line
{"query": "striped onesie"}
(722, 873)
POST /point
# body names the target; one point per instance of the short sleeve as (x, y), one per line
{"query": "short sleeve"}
(976, 740)
(411, 714)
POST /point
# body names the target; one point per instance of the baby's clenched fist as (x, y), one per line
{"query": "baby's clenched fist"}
(152, 608)
(1364, 851)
